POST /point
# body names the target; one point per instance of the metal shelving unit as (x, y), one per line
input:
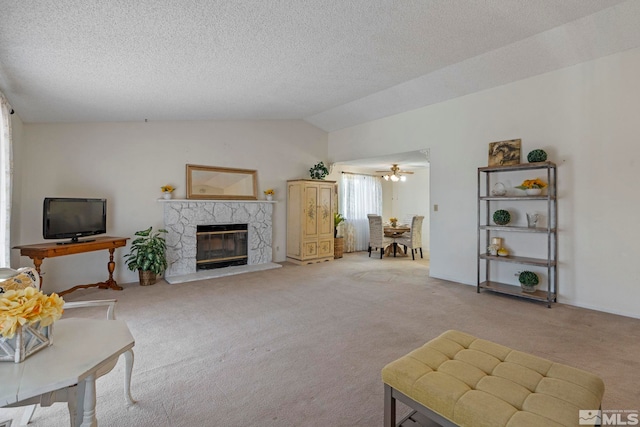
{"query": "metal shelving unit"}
(486, 231)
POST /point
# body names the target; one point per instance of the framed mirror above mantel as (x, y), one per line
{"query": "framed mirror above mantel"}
(218, 183)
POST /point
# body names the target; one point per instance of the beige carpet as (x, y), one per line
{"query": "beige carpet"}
(304, 345)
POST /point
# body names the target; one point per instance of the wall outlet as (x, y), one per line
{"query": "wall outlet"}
(435, 208)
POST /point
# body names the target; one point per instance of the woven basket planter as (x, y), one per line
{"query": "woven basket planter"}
(338, 247)
(146, 277)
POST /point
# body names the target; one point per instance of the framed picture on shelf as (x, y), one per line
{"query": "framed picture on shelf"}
(503, 153)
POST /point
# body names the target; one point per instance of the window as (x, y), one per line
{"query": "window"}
(360, 195)
(6, 170)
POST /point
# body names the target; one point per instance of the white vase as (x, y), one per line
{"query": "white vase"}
(499, 189)
(166, 196)
(269, 197)
(533, 191)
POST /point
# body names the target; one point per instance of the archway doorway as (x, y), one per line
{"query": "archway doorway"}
(401, 199)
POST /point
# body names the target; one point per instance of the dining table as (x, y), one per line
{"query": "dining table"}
(67, 370)
(394, 233)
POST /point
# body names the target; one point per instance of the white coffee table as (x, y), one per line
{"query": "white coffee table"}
(82, 350)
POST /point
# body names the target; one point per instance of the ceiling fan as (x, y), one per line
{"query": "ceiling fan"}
(396, 174)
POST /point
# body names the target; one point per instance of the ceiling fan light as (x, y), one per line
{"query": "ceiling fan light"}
(396, 174)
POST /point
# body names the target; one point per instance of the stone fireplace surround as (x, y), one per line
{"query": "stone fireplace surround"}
(181, 218)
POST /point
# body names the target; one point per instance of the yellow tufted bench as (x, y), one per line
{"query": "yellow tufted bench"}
(457, 379)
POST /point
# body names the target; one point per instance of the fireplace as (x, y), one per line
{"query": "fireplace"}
(182, 219)
(221, 245)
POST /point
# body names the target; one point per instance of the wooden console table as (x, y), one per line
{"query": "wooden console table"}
(40, 251)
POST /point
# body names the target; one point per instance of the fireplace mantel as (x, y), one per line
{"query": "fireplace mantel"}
(182, 216)
(214, 201)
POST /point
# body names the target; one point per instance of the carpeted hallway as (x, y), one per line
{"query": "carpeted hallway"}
(304, 345)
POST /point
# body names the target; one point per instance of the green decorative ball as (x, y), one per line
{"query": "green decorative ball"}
(501, 217)
(528, 278)
(536, 156)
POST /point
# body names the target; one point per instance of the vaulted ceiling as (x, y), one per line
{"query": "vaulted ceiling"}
(333, 63)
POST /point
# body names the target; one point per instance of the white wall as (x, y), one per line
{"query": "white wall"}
(586, 118)
(126, 163)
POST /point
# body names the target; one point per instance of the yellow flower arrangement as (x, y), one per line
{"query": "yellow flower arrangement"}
(393, 219)
(167, 188)
(532, 183)
(27, 306)
(269, 191)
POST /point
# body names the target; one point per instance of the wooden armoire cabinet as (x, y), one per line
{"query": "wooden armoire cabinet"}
(310, 205)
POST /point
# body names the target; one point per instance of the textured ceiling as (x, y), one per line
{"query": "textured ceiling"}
(334, 63)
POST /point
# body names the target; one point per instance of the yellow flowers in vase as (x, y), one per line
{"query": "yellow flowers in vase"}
(393, 221)
(533, 187)
(532, 183)
(269, 194)
(167, 190)
(27, 307)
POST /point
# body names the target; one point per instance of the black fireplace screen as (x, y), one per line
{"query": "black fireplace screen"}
(221, 245)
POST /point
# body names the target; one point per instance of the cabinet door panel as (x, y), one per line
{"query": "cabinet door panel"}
(310, 249)
(325, 247)
(325, 215)
(311, 211)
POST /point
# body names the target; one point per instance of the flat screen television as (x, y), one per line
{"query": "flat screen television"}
(72, 218)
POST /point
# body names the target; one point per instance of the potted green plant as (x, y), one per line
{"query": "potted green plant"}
(148, 255)
(337, 220)
(528, 281)
(318, 171)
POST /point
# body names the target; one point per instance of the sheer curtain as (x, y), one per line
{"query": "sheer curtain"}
(359, 195)
(6, 169)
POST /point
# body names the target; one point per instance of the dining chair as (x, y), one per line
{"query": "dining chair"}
(414, 239)
(407, 218)
(21, 278)
(377, 238)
